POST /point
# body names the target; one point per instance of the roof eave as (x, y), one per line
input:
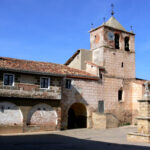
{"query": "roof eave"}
(111, 28)
(31, 72)
(82, 77)
(72, 57)
(50, 74)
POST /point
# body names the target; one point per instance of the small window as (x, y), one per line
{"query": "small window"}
(122, 64)
(101, 106)
(68, 84)
(9, 79)
(2, 109)
(117, 41)
(120, 92)
(126, 42)
(100, 75)
(44, 83)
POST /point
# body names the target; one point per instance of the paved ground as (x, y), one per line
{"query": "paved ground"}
(79, 139)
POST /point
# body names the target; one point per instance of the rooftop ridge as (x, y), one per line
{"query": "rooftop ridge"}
(112, 22)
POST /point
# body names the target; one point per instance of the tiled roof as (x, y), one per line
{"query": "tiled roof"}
(27, 66)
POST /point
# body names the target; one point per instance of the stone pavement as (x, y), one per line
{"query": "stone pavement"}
(114, 139)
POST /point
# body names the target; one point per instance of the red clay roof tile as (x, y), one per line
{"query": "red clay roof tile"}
(43, 67)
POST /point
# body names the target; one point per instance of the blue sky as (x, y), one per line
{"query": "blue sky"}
(52, 30)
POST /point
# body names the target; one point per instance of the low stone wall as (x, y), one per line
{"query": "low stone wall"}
(10, 129)
(103, 121)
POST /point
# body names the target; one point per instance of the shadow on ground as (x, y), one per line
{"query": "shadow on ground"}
(58, 142)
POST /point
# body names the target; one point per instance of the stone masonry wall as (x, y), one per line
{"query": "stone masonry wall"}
(117, 62)
(113, 61)
(29, 115)
(121, 109)
(137, 94)
(87, 92)
(28, 86)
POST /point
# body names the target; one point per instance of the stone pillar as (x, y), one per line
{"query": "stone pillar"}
(144, 117)
(143, 120)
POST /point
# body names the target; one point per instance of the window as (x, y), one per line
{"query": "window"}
(2, 109)
(101, 106)
(44, 83)
(100, 75)
(117, 41)
(9, 79)
(68, 84)
(122, 64)
(126, 42)
(120, 92)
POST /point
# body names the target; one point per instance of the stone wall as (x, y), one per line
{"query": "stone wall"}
(87, 92)
(99, 38)
(118, 63)
(28, 86)
(113, 60)
(137, 94)
(76, 62)
(121, 109)
(10, 114)
(29, 115)
(119, 67)
(79, 61)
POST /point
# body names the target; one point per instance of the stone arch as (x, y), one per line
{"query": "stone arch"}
(10, 114)
(77, 116)
(42, 114)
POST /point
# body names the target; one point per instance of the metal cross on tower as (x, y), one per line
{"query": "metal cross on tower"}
(112, 12)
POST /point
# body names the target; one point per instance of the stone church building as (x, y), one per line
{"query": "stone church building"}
(95, 88)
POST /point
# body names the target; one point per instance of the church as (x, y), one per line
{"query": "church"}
(95, 88)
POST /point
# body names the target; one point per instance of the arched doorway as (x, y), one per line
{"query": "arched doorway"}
(77, 116)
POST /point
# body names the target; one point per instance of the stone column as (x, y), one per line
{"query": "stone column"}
(144, 117)
(143, 120)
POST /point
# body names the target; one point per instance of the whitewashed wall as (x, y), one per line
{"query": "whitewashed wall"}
(42, 114)
(10, 114)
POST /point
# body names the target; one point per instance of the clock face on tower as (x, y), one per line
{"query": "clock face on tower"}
(110, 36)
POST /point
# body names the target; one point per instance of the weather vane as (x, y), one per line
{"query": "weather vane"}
(104, 19)
(131, 28)
(91, 25)
(112, 12)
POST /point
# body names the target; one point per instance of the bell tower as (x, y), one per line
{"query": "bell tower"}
(114, 49)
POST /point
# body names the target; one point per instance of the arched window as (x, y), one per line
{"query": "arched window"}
(120, 93)
(117, 41)
(126, 42)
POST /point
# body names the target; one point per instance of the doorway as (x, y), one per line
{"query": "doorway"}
(77, 116)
